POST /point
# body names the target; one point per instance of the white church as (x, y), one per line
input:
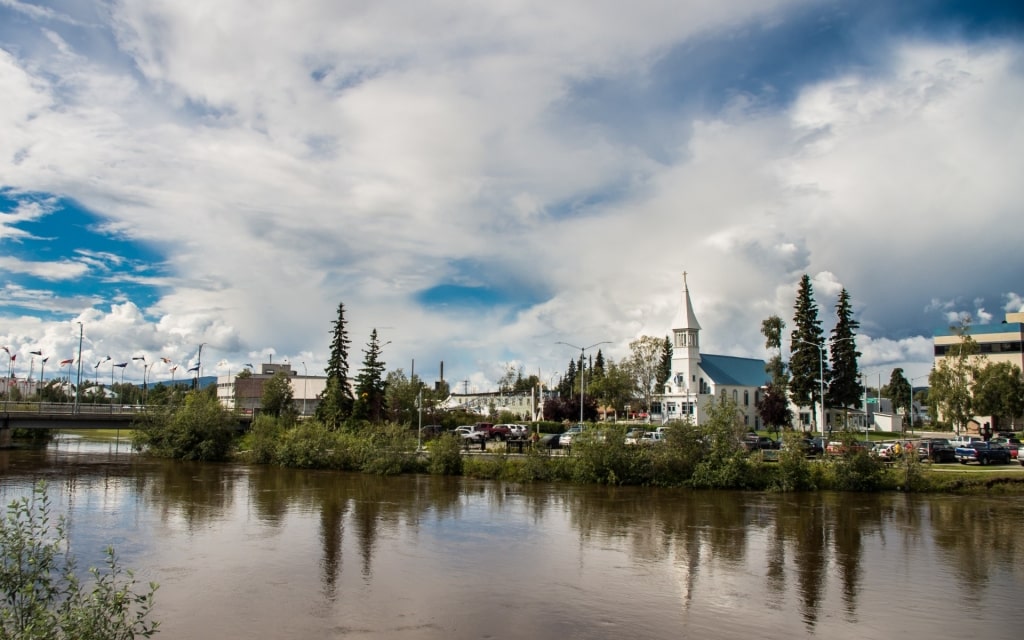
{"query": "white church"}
(698, 377)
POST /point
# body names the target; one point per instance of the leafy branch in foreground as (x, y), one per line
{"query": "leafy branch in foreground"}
(42, 595)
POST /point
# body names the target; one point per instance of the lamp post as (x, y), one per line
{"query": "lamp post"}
(199, 363)
(419, 411)
(78, 386)
(582, 351)
(144, 366)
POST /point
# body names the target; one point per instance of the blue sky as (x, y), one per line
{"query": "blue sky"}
(480, 183)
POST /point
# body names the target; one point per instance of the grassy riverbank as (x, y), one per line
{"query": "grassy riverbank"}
(706, 456)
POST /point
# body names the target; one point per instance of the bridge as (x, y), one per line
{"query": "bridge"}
(62, 415)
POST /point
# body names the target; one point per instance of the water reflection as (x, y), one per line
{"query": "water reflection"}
(335, 553)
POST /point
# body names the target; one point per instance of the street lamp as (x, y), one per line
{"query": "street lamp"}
(199, 363)
(582, 350)
(78, 386)
(419, 412)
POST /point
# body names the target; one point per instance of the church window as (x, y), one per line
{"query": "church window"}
(746, 398)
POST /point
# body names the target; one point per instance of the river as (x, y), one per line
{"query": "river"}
(254, 552)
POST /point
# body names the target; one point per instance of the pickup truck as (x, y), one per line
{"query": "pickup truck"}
(983, 453)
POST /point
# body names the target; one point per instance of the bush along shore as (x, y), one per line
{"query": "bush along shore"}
(708, 456)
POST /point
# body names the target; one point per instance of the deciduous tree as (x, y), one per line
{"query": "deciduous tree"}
(949, 392)
(999, 392)
(645, 364)
(278, 397)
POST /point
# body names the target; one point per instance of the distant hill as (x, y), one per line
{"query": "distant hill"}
(204, 382)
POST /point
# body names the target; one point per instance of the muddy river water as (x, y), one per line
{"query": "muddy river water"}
(254, 552)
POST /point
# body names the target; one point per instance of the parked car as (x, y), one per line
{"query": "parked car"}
(634, 435)
(983, 453)
(754, 442)
(652, 437)
(836, 447)
(471, 432)
(518, 430)
(1011, 443)
(936, 450)
(810, 446)
(429, 431)
(566, 440)
(814, 446)
(500, 431)
(550, 441)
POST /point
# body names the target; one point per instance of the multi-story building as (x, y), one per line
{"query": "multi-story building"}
(996, 343)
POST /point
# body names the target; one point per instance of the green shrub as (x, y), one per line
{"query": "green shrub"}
(308, 445)
(855, 470)
(44, 599)
(262, 440)
(793, 471)
(200, 429)
(390, 450)
(446, 455)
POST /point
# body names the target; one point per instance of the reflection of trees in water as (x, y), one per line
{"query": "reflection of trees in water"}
(972, 533)
(192, 493)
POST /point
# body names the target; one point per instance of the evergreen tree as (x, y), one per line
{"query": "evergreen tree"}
(665, 367)
(336, 402)
(598, 369)
(898, 391)
(370, 385)
(568, 381)
(807, 366)
(844, 388)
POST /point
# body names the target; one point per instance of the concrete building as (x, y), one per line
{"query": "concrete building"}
(996, 343)
(698, 377)
(526, 406)
(246, 394)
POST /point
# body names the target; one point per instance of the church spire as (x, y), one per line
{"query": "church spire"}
(685, 318)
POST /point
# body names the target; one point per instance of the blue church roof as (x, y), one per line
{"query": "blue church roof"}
(733, 371)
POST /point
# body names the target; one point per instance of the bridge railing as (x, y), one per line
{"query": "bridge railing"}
(69, 408)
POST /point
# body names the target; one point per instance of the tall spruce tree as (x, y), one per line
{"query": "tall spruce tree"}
(337, 401)
(807, 366)
(844, 387)
(899, 391)
(665, 367)
(370, 384)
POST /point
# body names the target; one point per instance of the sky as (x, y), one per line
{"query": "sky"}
(482, 182)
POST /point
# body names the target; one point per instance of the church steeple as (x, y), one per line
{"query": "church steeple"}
(685, 344)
